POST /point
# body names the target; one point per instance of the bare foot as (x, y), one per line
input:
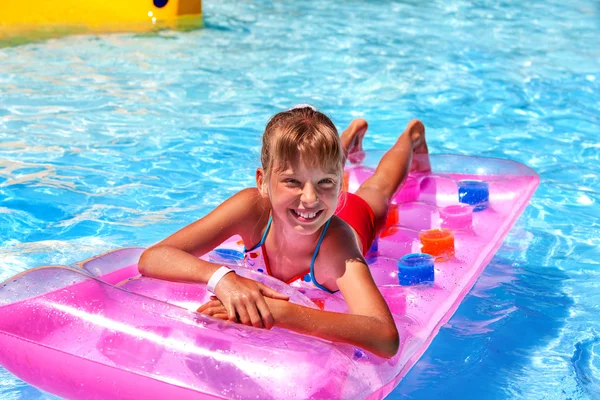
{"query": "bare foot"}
(352, 139)
(420, 160)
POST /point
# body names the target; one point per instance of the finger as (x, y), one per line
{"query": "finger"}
(231, 314)
(267, 291)
(243, 316)
(210, 311)
(213, 303)
(214, 298)
(222, 316)
(265, 313)
(255, 318)
(219, 310)
(203, 307)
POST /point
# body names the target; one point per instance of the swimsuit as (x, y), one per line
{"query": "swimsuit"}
(254, 259)
(353, 209)
(358, 214)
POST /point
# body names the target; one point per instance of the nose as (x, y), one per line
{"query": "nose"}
(309, 195)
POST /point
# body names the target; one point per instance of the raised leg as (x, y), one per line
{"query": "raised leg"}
(393, 169)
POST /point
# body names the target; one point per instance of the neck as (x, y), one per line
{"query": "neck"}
(295, 250)
(290, 240)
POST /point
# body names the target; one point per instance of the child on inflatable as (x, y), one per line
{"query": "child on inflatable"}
(301, 215)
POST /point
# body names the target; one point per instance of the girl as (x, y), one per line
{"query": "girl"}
(303, 221)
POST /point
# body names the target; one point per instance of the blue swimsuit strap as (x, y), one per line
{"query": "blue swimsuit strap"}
(262, 241)
(314, 257)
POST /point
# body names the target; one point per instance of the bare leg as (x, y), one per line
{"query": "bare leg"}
(352, 140)
(393, 169)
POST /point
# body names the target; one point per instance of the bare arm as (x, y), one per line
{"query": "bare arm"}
(369, 324)
(173, 264)
(367, 332)
(176, 258)
(375, 334)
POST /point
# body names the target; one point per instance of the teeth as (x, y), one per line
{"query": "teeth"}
(306, 215)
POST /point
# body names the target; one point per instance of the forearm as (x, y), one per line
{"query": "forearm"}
(169, 263)
(377, 335)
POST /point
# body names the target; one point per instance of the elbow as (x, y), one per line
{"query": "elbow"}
(389, 343)
(394, 342)
(147, 260)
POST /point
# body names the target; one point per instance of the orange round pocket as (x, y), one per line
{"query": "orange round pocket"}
(438, 242)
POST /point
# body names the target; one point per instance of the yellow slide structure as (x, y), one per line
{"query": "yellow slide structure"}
(21, 20)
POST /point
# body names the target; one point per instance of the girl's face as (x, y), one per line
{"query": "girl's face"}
(303, 198)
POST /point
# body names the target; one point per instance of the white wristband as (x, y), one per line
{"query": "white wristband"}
(216, 277)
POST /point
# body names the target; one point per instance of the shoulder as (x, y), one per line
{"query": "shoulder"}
(240, 214)
(247, 202)
(247, 205)
(251, 213)
(340, 247)
(248, 194)
(340, 233)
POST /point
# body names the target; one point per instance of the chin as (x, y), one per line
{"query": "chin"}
(304, 231)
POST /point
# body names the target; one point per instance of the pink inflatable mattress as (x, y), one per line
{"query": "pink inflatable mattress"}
(98, 330)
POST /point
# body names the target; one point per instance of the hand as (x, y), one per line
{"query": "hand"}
(243, 299)
(214, 308)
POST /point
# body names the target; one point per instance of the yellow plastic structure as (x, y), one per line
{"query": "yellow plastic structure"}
(58, 17)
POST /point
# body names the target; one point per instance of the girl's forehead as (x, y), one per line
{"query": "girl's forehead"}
(299, 166)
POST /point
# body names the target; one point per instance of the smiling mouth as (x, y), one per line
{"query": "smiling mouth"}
(306, 216)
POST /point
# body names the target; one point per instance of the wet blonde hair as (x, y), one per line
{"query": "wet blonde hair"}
(302, 132)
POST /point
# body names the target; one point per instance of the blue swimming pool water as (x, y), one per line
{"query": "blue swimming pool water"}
(118, 140)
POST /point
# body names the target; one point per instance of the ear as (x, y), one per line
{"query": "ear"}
(260, 183)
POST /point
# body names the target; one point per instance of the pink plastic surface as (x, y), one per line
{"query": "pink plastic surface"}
(457, 217)
(104, 332)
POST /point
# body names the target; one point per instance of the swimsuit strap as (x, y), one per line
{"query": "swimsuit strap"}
(312, 262)
(262, 241)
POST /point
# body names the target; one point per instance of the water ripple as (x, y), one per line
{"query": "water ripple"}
(587, 365)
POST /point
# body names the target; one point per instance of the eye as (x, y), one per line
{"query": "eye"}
(327, 182)
(291, 182)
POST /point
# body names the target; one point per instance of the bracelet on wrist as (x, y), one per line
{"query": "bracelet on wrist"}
(216, 277)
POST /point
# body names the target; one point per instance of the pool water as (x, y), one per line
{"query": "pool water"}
(119, 140)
